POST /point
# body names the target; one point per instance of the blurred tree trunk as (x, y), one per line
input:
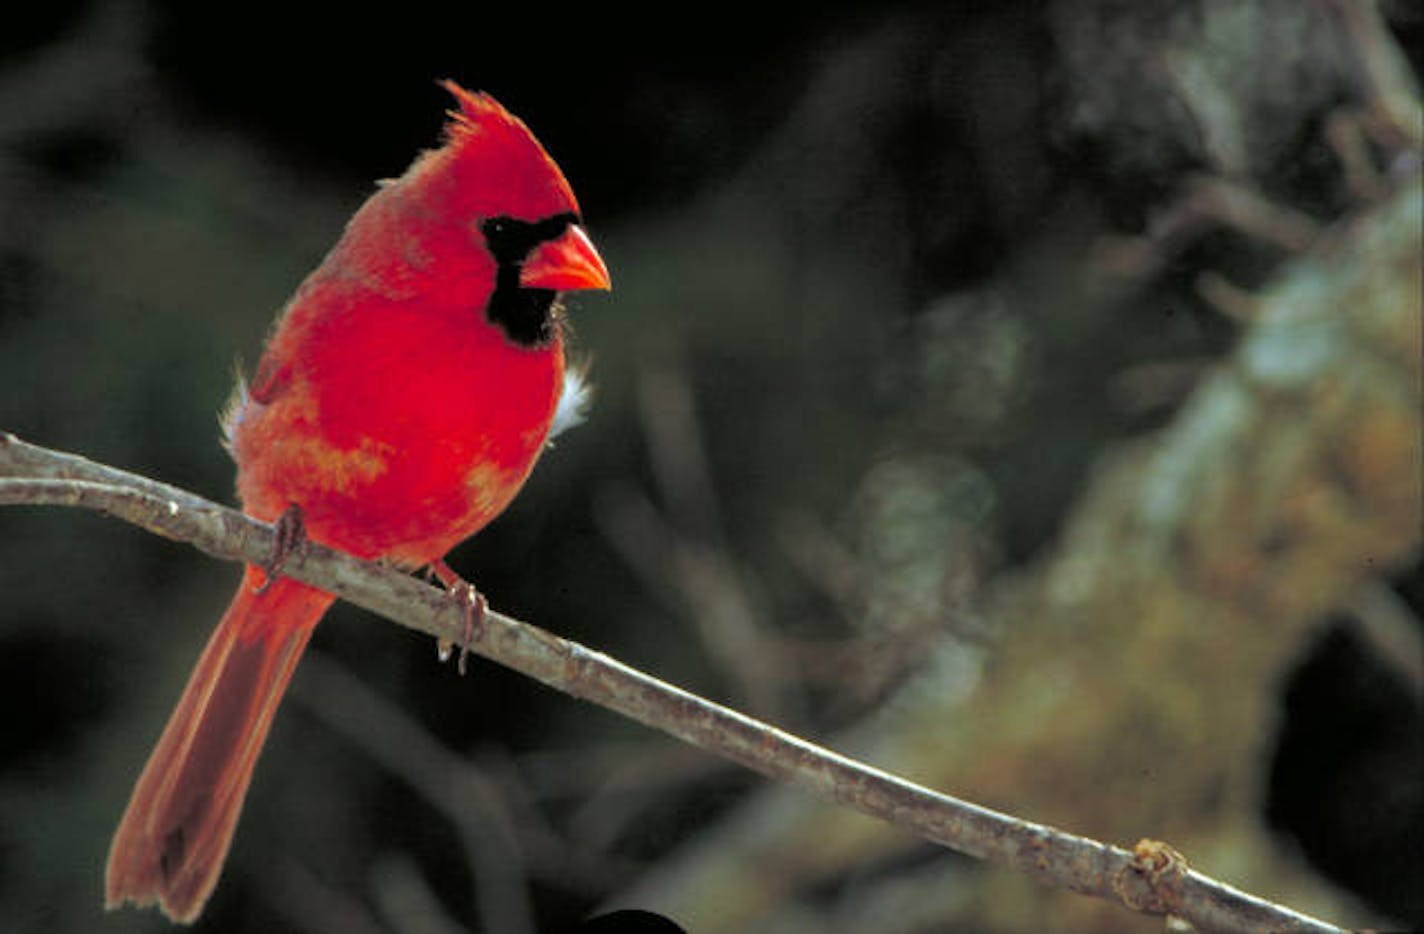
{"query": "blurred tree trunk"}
(1131, 687)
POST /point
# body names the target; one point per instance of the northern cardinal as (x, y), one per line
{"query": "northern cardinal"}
(402, 399)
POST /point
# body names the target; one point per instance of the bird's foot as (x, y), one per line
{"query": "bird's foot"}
(473, 604)
(291, 535)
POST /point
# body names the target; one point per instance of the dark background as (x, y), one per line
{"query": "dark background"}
(785, 202)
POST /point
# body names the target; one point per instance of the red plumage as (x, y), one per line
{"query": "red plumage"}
(401, 402)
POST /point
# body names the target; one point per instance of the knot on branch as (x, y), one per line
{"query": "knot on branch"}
(1152, 881)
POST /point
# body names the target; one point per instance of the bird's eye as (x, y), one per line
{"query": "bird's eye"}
(496, 229)
(505, 238)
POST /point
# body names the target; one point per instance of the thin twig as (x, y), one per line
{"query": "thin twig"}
(704, 583)
(406, 900)
(1144, 879)
(1393, 630)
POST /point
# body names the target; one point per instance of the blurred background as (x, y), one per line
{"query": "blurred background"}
(909, 437)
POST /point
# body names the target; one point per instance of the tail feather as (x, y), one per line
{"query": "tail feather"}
(175, 834)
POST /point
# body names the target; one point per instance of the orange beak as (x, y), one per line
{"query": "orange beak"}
(564, 264)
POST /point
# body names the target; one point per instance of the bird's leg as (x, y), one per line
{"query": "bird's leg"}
(291, 535)
(472, 602)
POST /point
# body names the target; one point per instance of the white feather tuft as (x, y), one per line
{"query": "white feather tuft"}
(232, 412)
(574, 401)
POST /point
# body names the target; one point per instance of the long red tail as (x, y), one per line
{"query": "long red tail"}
(174, 836)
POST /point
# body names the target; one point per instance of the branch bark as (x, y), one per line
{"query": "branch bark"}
(1151, 878)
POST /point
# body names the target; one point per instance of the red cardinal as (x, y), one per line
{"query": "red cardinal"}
(401, 402)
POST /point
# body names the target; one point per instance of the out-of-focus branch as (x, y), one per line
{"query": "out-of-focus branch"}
(1394, 94)
(470, 801)
(1151, 879)
(1133, 686)
(685, 546)
(1393, 632)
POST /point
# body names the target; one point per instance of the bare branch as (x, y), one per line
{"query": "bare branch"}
(1144, 879)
